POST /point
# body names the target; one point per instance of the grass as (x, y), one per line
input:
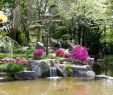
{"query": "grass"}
(2, 55)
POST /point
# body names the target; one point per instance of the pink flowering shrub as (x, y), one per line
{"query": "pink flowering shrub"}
(38, 53)
(15, 60)
(79, 53)
(59, 52)
(21, 60)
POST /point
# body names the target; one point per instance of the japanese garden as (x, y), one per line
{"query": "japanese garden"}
(56, 47)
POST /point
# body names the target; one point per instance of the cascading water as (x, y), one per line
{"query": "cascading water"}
(53, 72)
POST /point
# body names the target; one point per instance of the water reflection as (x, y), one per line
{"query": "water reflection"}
(69, 86)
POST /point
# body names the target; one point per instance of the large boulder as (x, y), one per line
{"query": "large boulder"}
(26, 75)
(41, 68)
(44, 69)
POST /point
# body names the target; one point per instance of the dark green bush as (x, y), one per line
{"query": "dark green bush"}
(108, 65)
(11, 69)
(14, 67)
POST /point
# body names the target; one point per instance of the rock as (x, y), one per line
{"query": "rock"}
(90, 61)
(78, 73)
(90, 75)
(24, 49)
(41, 68)
(61, 71)
(104, 77)
(32, 64)
(26, 75)
(39, 45)
(44, 69)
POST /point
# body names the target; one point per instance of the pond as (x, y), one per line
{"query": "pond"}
(67, 86)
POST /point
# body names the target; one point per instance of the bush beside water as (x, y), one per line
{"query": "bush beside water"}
(108, 65)
(11, 68)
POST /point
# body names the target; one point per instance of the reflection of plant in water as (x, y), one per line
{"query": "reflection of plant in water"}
(3, 93)
(81, 89)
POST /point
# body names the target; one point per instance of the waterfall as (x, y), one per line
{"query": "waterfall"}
(53, 69)
(53, 72)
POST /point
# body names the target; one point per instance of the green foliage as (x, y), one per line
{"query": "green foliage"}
(14, 67)
(20, 55)
(3, 67)
(49, 56)
(83, 20)
(2, 55)
(11, 67)
(108, 65)
(108, 59)
(69, 69)
(29, 52)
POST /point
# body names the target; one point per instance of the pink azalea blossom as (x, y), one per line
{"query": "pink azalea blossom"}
(15, 60)
(8, 59)
(39, 52)
(21, 60)
(79, 53)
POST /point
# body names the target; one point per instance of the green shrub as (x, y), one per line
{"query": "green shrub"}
(14, 67)
(108, 59)
(108, 64)
(69, 69)
(20, 55)
(11, 69)
(2, 55)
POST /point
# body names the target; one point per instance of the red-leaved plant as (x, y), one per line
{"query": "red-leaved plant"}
(59, 52)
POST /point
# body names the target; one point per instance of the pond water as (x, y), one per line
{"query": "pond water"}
(68, 86)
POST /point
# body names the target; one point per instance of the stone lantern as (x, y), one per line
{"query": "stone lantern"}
(36, 31)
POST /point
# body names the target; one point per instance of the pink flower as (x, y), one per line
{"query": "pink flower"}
(79, 53)
(21, 60)
(8, 59)
(15, 60)
(39, 52)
